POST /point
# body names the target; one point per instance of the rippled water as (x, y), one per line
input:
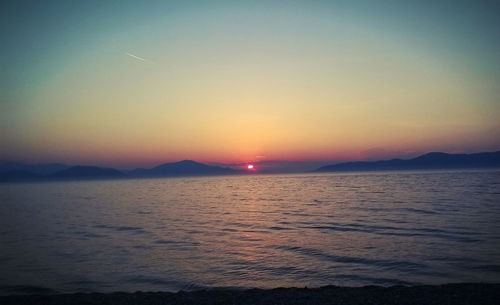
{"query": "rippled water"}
(380, 228)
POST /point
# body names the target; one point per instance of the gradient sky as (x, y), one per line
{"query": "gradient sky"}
(128, 83)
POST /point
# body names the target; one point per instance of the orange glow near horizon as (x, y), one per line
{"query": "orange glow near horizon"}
(240, 82)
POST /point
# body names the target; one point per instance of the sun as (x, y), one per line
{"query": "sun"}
(250, 166)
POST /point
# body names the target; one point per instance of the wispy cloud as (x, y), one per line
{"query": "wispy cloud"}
(137, 57)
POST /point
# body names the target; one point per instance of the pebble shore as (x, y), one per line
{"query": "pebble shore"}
(455, 294)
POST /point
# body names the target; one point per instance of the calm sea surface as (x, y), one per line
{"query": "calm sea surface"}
(381, 228)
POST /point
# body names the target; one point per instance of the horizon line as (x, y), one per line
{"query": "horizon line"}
(368, 159)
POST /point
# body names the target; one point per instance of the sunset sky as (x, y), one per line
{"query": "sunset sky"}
(130, 83)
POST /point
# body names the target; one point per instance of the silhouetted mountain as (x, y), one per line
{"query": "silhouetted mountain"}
(433, 160)
(42, 169)
(87, 172)
(183, 168)
(18, 175)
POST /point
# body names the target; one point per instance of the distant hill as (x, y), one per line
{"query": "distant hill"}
(80, 171)
(433, 160)
(42, 169)
(18, 175)
(183, 168)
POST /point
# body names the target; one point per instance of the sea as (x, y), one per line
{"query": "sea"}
(250, 231)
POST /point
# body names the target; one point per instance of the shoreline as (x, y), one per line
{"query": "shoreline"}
(463, 293)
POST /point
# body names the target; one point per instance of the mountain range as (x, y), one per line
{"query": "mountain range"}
(433, 160)
(16, 171)
(81, 171)
(183, 168)
(42, 169)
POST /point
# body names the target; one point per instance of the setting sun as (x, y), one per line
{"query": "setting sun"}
(322, 147)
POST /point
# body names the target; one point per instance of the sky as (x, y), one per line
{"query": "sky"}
(138, 83)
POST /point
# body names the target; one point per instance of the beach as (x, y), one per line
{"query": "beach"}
(464, 293)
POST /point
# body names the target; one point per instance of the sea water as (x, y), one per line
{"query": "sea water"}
(170, 234)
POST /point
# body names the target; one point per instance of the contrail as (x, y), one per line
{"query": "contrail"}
(136, 57)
